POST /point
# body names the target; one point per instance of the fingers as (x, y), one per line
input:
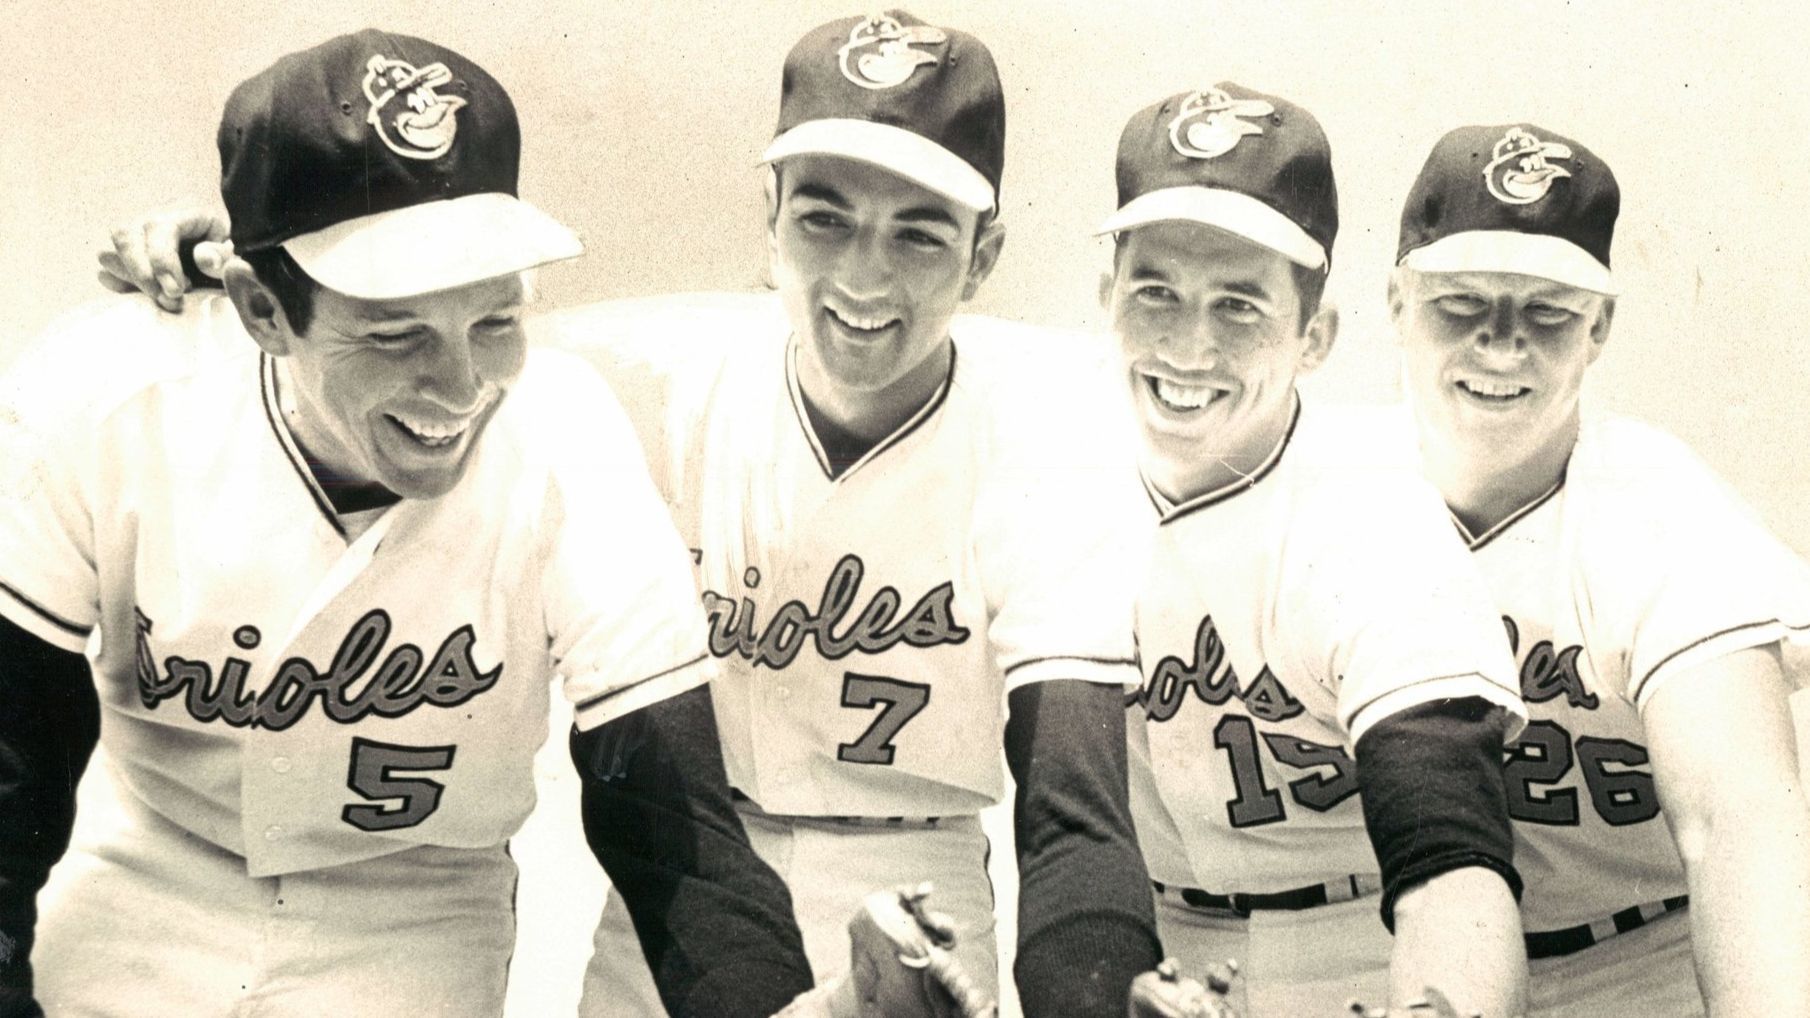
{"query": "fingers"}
(147, 253)
(211, 257)
(970, 1000)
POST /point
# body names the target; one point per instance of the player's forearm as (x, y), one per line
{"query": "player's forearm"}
(1750, 928)
(1086, 925)
(1460, 932)
(48, 729)
(714, 920)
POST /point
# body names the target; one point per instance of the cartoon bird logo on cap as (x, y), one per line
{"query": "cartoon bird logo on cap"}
(1210, 123)
(1518, 172)
(423, 121)
(882, 53)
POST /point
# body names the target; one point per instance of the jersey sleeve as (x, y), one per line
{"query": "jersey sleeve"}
(1058, 538)
(1400, 614)
(659, 356)
(623, 618)
(1675, 565)
(55, 402)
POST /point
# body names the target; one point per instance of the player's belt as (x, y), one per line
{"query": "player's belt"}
(1242, 905)
(741, 799)
(1558, 943)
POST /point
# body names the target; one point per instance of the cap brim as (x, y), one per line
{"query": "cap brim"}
(906, 153)
(432, 246)
(1526, 254)
(1231, 211)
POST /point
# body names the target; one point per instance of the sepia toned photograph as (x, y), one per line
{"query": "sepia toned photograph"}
(1179, 510)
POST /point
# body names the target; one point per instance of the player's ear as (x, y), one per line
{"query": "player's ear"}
(1397, 296)
(259, 310)
(1321, 332)
(1599, 329)
(987, 245)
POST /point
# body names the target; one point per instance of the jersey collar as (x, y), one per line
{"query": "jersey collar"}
(1476, 542)
(271, 386)
(1169, 511)
(899, 434)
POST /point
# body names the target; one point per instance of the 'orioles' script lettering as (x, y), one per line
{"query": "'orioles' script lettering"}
(397, 686)
(879, 626)
(1211, 677)
(1545, 673)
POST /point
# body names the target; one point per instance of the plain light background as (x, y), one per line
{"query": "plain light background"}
(643, 121)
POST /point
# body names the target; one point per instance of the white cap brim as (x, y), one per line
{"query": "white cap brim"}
(906, 153)
(435, 245)
(1230, 211)
(1526, 254)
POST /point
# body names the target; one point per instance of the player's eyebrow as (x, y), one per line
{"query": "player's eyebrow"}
(927, 214)
(823, 193)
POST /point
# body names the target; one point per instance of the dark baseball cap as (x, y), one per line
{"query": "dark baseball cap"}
(385, 165)
(1512, 198)
(921, 101)
(1238, 160)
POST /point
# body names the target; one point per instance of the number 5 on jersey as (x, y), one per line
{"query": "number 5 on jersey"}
(372, 774)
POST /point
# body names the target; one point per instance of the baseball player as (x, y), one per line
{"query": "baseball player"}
(1319, 661)
(1646, 607)
(896, 538)
(905, 548)
(324, 579)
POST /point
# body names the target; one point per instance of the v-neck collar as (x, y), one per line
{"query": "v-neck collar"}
(911, 424)
(271, 387)
(1478, 541)
(1169, 511)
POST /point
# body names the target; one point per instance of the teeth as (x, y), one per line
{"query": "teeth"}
(859, 322)
(1181, 397)
(1497, 390)
(432, 434)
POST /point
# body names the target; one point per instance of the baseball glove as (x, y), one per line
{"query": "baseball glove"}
(900, 966)
(1166, 993)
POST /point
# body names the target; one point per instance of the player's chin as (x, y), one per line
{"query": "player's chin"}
(416, 470)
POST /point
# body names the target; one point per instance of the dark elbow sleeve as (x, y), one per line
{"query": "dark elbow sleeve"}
(49, 724)
(1086, 925)
(715, 922)
(1434, 797)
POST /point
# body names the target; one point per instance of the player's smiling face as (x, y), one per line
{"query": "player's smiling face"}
(1211, 342)
(871, 268)
(1495, 360)
(397, 393)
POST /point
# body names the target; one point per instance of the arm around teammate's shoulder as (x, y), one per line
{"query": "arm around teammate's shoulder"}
(1725, 763)
(1086, 926)
(49, 725)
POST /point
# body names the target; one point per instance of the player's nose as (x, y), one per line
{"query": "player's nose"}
(449, 373)
(1501, 331)
(865, 267)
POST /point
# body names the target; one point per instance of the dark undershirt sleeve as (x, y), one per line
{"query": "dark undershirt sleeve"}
(1431, 782)
(715, 922)
(1086, 925)
(49, 724)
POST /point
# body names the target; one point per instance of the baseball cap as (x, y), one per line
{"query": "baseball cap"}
(1238, 160)
(1512, 198)
(921, 101)
(385, 165)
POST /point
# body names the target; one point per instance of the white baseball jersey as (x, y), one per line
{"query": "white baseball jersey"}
(870, 620)
(301, 697)
(1638, 565)
(1283, 616)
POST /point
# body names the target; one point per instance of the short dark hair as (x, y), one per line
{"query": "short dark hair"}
(1310, 284)
(292, 286)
